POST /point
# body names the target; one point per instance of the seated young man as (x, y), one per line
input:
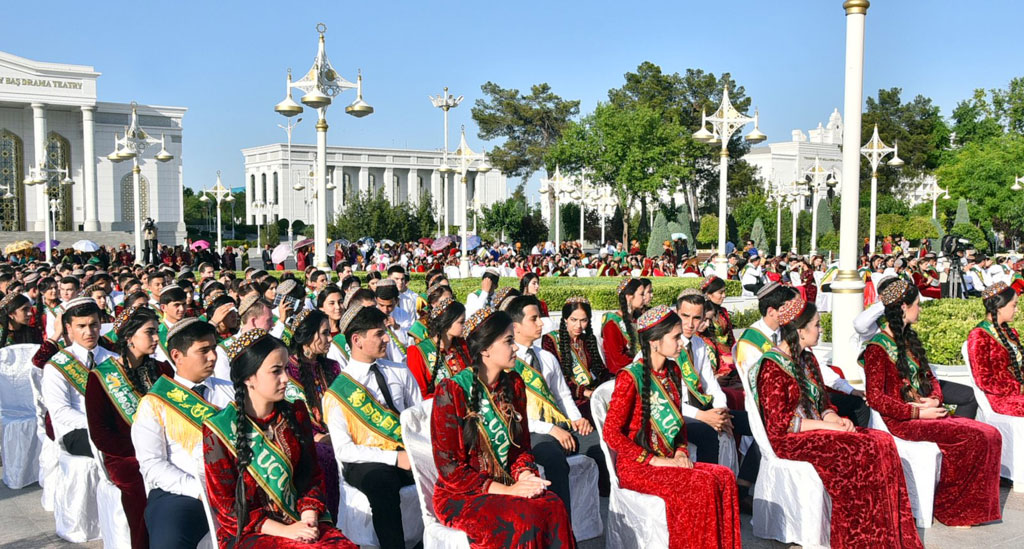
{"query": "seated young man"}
(557, 428)
(67, 372)
(482, 297)
(155, 285)
(398, 321)
(172, 308)
(340, 350)
(372, 391)
(167, 435)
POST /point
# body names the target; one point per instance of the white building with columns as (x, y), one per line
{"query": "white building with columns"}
(50, 116)
(402, 175)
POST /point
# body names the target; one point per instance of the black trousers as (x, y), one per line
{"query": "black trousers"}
(705, 438)
(962, 396)
(381, 484)
(852, 407)
(548, 453)
(77, 443)
(174, 521)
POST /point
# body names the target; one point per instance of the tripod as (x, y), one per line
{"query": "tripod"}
(955, 285)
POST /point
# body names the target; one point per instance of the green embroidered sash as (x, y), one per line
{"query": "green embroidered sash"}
(74, 371)
(540, 403)
(193, 408)
(341, 344)
(429, 351)
(287, 335)
(162, 331)
(226, 343)
(665, 416)
(788, 365)
(293, 390)
(398, 342)
(580, 372)
(614, 317)
(887, 344)
(692, 378)
(269, 467)
(418, 331)
(990, 329)
(493, 424)
(119, 388)
(754, 337)
(372, 419)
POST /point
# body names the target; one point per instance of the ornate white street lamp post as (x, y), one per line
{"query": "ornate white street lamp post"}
(935, 191)
(261, 209)
(724, 122)
(446, 102)
(874, 150)
(40, 175)
(557, 186)
(133, 145)
(220, 193)
(467, 160)
(320, 85)
(288, 126)
(820, 179)
(796, 195)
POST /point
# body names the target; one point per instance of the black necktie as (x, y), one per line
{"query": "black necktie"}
(531, 358)
(90, 362)
(200, 390)
(775, 338)
(689, 350)
(382, 384)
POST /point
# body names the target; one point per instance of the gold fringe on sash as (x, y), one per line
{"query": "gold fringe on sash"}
(177, 428)
(539, 408)
(357, 429)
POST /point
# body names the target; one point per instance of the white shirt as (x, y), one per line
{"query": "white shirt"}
(977, 276)
(702, 365)
(64, 403)
(334, 353)
(403, 318)
(405, 392)
(751, 275)
(865, 324)
(551, 370)
(475, 301)
(407, 303)
(995, 273)
(164, 463)
(750, 355)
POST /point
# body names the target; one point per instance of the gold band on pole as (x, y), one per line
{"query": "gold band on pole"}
(853, 7)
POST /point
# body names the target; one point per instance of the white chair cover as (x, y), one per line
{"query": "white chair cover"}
(922, 463)
(586, 501)
(20, 447)
(113, 522)
(452, 272)
(75, 509)
(1010, 427)
(210, 540)
(355, 518)
(416, 436)
(790, 502)
(49, 472)
(635, 520)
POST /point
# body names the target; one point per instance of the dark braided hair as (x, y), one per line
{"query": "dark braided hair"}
(629, 317)
(907, 342)
(436, 328)
(802, 357)
(594, 363)
(5, 318)
(302, 336)
(244, 366)
(482, 337)
(44, 285)
(1006, 335)
(143, 376)
(643, 436)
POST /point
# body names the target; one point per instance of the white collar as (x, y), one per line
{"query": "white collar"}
(188, 383)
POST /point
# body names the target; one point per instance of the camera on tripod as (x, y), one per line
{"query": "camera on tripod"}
(953, 246)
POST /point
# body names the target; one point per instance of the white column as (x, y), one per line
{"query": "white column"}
(814, 219)
(39, 150)
(721, 262)
(364, 179)
(89, 170)
(412, 187)
(320, 230)
(874, 206)
(446, 201)
(847, 288)
(389, 186)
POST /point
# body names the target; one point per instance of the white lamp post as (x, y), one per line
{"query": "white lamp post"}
(446, 102)
(935, 191)
(874, 150)
(466, 160)
(796, 194)
(40, 175)
(819, 179)
(288, 126)
(724, 122)
(320, 85)
(220, 193)
(556, 187)
(261, 208)
(132, 145)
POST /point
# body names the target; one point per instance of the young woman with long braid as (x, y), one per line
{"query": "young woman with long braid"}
(444, 352)
(859, 467)
(995, 351)
(111, 398)
(15, 319)
(261, 423)
(647, 432)
(310, 373)
(903, 389)
(575, 347)
(488, 484)
(618, 332)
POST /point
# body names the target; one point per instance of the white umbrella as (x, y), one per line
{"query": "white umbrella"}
(280, 253)
(85, 246)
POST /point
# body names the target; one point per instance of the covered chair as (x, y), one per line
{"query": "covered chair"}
(355, 519)
(922, 463)
(48, 472)
(113, 522)
(20, 446)
(1010, 427)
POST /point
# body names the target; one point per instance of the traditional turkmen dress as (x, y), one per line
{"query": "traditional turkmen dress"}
(427, 366)
(587, 372)
(994, 373)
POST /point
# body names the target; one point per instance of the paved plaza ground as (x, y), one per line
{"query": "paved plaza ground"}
(24, 525)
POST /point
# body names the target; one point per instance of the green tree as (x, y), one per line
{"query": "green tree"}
(530, 125)
(962, 215)
(708, 234)
(828, 242)
(745, 210)
(373, 215)
(758, 235)
(889, 225)
(984, 171)
(972, 233)
(917, 228)
(990, 115)
(515, 219)
(825, 225)
(659, 234)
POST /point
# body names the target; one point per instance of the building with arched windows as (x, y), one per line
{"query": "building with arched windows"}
(50, 117)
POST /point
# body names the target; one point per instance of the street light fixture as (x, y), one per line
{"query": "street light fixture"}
(724, 122)
(874, 150)
(320, 85)
(819, 179)
(40, 175)
(935, 191)
(220, 193)
(557, 187)
(466, 160)
(131, 146)
(446, 102)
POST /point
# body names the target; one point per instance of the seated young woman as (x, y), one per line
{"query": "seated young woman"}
(575, 347)
(647, 432)
(443, 353)
(994, 349)
(488, 484)
(262, 436)
(859, 467)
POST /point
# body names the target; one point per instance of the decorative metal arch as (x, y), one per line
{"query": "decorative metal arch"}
(58, 156)
(128, 198)
(12, 170)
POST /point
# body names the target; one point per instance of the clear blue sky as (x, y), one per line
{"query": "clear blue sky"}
(226, 61)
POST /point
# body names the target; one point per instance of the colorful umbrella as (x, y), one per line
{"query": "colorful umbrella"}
(441, 243)
(472, 242)
(280, 253)
(200, 245)
(339, 242)
(86, 246)
(303, 243)
(426, 241)
(19, 246)
(53, 244)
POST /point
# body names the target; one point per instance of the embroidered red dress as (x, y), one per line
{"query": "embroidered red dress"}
(700, 503)
(321, 379)
(221, 476)
(461, 499)
(457, 359)
(112, 436)
(968, 490)
(993, 371)
(616, 346)
(595, 368)
(861, 471)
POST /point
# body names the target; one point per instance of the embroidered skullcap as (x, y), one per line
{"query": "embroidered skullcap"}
(122, 318)
(243, 342)
(348, 295)
(440, 307)
(286, 287)
(577, 299)
(181, 325)
(622, 284)
(894, 292)
(71, 304)
(297, 318)
(767, 289)
(476, 319)
(78, 272)
(386, 282)
(8, 299)
(652, 317)
(791, 309)
(168, 288)
(492, 271)
(247, 303)
(501, 294)
(31, 277)
(386, 289)
(994, 290)
(707, 282)
(349, 315)
(207, 284)
(434, 287)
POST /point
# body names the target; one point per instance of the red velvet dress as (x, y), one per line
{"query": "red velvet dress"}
(113, 437)
(222, 474)
(968, 490)
(322, 379)
(457, 361)
(616, 347)
(990, 364)
(861, 471)
(721, 345)
(924, 286)
(596, 369)
(461, 499)
(700, 503)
